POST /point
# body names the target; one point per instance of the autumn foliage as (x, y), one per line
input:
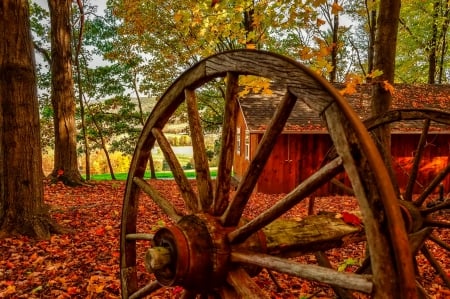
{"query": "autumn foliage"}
(84, 263)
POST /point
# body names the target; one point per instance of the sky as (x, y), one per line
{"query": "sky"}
(100, 3)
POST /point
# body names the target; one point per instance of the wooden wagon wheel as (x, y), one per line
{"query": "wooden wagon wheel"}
(205, 251)
(420, 205)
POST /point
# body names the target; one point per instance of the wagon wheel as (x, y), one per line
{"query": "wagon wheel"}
(206, 250)
(424, 211)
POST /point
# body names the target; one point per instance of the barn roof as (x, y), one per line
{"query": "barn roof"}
(258, 108)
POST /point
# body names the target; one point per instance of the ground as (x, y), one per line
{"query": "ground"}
(84, 263)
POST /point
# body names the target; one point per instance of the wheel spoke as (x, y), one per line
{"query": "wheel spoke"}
(351, 281)
(436, 223)
(163, 203)
(435, 264)
(139, 236)
(234, 211)
(432, 186)
(417, 239)
(189, 196)
(440, 242)
(244, 286)
(439, 206)
(228, 145)
(199, 150)
(308, 186)
(417, 158)
(146, 290)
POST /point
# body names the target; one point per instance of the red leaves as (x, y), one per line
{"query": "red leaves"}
(351, 219)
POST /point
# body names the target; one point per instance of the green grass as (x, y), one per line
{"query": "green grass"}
(159, 175)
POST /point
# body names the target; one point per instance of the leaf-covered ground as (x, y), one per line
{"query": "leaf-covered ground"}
(84, 263)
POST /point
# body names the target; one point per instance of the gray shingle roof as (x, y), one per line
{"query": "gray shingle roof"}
(259, 108)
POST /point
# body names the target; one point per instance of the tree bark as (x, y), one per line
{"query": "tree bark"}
(384, 60)
(63, 95)
(22, 208)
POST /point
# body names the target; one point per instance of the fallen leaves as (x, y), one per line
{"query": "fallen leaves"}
(84, 263)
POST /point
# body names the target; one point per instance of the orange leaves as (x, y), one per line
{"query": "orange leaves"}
(351, 81)
(336, 8)
(100, 231)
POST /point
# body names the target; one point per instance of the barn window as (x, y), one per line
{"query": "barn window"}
(247, 145)
(238, 141)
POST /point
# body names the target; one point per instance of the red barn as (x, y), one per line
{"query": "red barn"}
(301, 147)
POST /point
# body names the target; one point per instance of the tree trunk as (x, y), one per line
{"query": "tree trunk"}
(444, 30)
(372, 17)
(22, 208)
(335, 45)
(432, 59)
(142, 120)
(384, 60)
(80, 92)
(63, 95)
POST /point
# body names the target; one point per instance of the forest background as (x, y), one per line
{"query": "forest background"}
(126, 53)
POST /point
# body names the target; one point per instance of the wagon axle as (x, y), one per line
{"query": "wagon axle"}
(194, 253)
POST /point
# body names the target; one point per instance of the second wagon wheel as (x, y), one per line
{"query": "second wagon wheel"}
(206, 250)
(422, 183)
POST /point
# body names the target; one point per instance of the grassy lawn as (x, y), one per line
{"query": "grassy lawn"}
(159, 175)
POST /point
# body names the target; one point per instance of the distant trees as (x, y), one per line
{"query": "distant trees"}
(62, 94)
(146, 44)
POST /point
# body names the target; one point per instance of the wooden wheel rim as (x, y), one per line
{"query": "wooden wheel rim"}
(304, 84)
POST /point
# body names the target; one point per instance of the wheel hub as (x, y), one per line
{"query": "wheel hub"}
(411, 216)
(196, 253)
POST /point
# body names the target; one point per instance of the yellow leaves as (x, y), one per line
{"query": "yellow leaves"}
(178, 17)
(252, 84)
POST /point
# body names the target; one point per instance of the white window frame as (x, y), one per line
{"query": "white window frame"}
(247, 144)
(238, 141)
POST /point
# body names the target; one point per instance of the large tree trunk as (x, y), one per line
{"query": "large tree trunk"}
(22, 209)
(384, 60)
(63, 95)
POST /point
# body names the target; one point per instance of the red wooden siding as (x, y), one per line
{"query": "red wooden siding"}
(296, 156)
(435, 158)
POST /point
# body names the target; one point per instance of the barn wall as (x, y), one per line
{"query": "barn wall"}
(435, 158)
(294, 158)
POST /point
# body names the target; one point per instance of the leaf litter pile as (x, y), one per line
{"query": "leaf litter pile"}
(84, 263)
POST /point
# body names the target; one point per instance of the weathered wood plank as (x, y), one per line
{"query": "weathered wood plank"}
(228, 147)
(204, 183)
(312, 272)
(289, 238)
